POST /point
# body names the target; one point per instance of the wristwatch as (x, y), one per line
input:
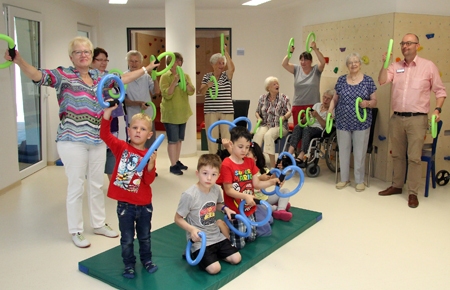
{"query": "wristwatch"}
(438, 109)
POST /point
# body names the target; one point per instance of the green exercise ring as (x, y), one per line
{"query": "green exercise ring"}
(433, 127)
(257, 126)
(216, 86)
(388, 55)
(110, 92)
(172, 62)
(291, 44)
(11, 45)
(222, 44)
(153, 107)
(363, 119)
(300, 119)
(281, 127)
(308, 120)
(180, 73)
(329, 123)
(308, 48)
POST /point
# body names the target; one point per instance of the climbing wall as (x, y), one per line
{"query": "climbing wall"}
(369, 36)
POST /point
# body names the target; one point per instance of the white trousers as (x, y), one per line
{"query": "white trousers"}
(83, 161)
(269, 136)
(359, 140)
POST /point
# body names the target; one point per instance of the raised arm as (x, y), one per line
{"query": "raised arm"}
(230, 64)
(29, 70)
(319, 55)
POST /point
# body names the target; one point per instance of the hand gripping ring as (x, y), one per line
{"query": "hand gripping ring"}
(216, 88)
(288, 155)
(358, 115)
(169, 66)
(282, 176)
(249, 123)
(180, 72)
(309, 121)
(105, 78)
(12, 50)
(257, 201)
(201, 252)
(308, 48)
(220, 122)
(245, 220)
(329, 123)
(149, 153)
(291, 44)
(153, 107)
(118, 73)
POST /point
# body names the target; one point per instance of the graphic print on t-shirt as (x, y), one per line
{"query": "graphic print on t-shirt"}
(242, 182)
(208, 213)
(127, 178)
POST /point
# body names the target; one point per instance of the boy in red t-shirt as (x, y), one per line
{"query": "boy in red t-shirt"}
(132, 189)
(238, 179)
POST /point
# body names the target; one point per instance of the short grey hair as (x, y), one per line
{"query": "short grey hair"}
(134, 53)
(351, 55)
(330, 92)
(268, 81)
(215, 58)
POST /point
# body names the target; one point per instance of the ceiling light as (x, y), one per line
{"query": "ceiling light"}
(255, 2)
(118, 1)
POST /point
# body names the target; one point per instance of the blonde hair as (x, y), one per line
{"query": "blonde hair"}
(268, 81)
(80, 40)
(143, 117)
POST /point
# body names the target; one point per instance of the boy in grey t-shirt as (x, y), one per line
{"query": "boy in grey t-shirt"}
(197, 213)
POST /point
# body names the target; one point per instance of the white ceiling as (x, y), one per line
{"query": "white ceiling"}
(199, 4)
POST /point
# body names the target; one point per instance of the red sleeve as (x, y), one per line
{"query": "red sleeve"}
(226, 173)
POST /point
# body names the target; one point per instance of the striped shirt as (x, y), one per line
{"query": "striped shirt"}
(223, 104)
(79, 111)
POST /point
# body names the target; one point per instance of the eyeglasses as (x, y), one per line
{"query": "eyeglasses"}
(101, 60)
(80, 52)
(353, 62)
(408, 43)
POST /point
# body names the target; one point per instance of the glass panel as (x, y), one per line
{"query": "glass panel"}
(28, 95)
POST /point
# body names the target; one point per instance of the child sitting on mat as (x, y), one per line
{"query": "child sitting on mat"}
(132, 189)
(238, 179)
(196, 213)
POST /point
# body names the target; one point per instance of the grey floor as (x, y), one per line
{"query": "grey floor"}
(363, 242)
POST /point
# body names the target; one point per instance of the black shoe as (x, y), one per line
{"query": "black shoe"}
(300, 163)
(176, 170)
(181, 165)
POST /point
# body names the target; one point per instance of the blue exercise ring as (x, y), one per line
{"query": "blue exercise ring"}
(220, 122)
(235, 230)
(105, 78)
(277, 173)
(249, 123)
(299, 185)
(265, 220)
(289, 155)
(149, 153)
(200, 254)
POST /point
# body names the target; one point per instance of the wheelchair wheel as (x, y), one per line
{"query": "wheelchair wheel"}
(442, 177)
(312, 170)
(330, 152)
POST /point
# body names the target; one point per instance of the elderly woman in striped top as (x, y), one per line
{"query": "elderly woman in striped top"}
(78, 137)
(220, 108)
(271, 107)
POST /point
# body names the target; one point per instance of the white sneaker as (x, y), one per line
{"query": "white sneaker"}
(79, 241)
(106, 231)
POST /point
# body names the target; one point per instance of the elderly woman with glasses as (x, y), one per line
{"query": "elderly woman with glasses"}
(352, 132)
(78, 136)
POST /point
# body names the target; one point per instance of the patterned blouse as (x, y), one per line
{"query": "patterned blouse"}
(346, 119)
(270, 112)
(79, 111)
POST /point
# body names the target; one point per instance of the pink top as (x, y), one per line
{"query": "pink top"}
(412, 85)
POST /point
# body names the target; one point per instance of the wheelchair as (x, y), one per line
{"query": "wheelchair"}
(322, 147)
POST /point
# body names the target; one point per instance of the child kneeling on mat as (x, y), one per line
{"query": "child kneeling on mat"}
(196, 213)
(132, 189)
(238, 177)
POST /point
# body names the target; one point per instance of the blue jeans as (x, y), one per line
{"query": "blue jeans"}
(133, 217)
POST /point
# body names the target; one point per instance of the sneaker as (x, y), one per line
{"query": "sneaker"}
(79, 241)
(150, 267)
(282, 215)
(181, 165)
(360, 187)
(176, 170)
(342, 185)
(128, 272)
(106, 231)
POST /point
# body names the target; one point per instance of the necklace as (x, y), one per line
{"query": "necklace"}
(353, 79)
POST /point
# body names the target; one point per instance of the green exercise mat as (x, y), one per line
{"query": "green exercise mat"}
(168, 245)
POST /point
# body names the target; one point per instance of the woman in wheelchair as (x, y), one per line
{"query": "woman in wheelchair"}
(319, 113)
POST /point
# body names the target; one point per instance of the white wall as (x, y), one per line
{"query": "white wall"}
(263, 34)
